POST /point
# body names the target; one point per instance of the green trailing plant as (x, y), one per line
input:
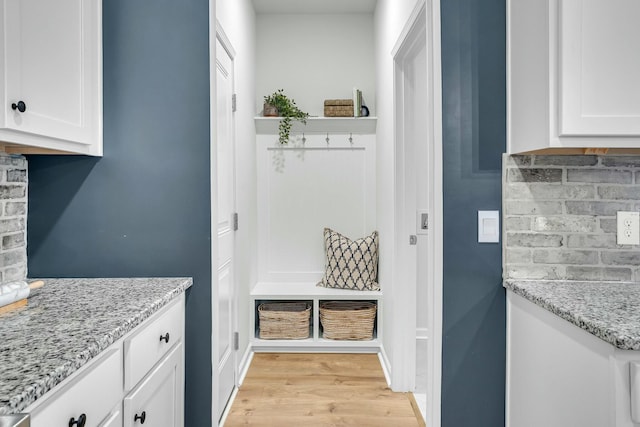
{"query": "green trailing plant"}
(288, 110)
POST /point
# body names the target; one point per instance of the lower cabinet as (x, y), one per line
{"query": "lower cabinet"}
(157, 401)
(103, 394)
(559, 375)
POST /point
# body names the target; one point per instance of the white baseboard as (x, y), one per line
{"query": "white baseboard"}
(245, 362)
(386, 366)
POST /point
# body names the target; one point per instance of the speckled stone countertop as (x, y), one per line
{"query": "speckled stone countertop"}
(67, 323)
(608, 310)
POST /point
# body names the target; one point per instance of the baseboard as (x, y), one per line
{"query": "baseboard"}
(245, 362)
(386, 366)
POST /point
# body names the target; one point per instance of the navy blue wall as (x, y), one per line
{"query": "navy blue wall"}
(144, 208)
(474, 135)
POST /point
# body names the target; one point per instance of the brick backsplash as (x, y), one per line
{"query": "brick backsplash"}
(559, 217)
(13, 217)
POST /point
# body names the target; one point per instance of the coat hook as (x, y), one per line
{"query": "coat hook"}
(327, 139)
(350, 138)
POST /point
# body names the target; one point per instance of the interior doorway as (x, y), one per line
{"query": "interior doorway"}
(224, 290)
(418, 208)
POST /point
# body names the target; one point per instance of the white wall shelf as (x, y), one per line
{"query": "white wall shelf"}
(301, 291)
(355, 125)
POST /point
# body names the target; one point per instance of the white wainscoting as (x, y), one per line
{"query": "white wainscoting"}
(305, 187)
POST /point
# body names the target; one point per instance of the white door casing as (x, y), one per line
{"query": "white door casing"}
(418, 188)
(224, 293)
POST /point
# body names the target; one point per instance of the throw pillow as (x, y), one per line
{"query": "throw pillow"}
(350, 264)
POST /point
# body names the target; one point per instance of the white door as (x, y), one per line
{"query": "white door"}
(224, 311)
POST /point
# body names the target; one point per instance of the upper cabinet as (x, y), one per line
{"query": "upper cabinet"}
(573, 76)
(51, 89)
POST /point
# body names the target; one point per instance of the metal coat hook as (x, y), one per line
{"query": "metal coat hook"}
(351, 138)
(327, 138)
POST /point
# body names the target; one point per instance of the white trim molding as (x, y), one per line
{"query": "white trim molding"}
(424, 19)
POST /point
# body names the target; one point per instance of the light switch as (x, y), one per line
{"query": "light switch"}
(488, 226)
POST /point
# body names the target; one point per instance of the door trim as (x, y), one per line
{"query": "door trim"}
(425, 18)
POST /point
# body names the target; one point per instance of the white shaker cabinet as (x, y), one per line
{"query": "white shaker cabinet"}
(51, 86)
(138, 380)
(157, 401)
(559, 375)
(573, 76)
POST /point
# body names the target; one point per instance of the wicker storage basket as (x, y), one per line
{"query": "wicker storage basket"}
(347, 320)
(284, 320)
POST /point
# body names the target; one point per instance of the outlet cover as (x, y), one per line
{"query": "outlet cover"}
(628, 228)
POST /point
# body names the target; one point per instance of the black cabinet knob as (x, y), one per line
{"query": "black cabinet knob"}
(80, 422)
(165, 337)
(140, 417)
(20, 106)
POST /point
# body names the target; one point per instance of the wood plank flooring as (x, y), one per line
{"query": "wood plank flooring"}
(285, 389)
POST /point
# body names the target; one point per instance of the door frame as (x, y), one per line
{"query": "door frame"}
(220, 36)
(424, 19)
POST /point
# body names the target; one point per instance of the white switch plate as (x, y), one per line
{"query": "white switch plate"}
(488, 226)
(628, 228)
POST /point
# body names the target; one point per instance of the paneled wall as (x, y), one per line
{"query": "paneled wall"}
(303, 188)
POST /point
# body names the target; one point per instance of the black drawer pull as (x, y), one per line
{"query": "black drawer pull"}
(20, 106)
(165, 337)
(80, 422)
(140, 417)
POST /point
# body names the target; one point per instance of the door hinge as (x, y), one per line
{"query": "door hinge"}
(236, 341)
(233, 103)
(235, 221)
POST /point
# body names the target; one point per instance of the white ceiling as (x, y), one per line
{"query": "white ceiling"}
(314, 6)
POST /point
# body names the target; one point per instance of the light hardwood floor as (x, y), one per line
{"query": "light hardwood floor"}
(284, 389)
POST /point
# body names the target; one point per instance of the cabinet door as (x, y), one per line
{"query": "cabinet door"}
(52, 66)
(599, 80)
(158, 400)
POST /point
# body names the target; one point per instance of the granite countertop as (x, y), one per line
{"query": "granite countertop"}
(608, 310)
(67, 323)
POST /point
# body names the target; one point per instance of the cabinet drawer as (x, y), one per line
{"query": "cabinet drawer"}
(158, 400)
(145, 348)
(93, 393)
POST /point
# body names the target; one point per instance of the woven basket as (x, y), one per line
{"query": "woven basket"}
(347, 320)
(284, 320)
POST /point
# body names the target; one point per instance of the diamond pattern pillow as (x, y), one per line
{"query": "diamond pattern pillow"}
(350, 264)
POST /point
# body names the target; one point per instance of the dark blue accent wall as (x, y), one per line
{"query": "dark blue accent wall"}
(474, 135)
(144, 208)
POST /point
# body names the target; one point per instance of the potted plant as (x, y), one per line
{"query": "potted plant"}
(287, 109)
